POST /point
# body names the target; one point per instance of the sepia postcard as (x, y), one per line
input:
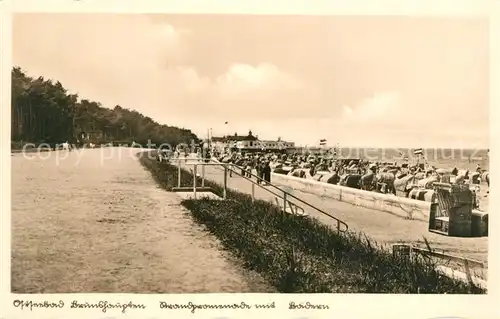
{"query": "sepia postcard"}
(241, 163)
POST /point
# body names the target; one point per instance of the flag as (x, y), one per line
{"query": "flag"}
(418, 151)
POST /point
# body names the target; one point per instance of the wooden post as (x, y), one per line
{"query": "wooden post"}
(194, 179)
(467, 272)
(401, 250)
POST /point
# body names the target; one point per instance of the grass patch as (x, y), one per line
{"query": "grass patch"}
(302, 255)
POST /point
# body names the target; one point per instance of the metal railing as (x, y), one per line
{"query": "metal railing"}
(275, 190)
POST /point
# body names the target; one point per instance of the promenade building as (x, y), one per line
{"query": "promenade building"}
(249, 143)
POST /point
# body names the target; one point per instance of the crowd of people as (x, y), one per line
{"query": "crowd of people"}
(251, 165)
(386, 177)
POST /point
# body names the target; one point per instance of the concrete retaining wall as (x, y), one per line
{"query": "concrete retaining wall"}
(403, 207)
(400, 206)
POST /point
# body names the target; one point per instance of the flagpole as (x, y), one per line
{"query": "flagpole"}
(228, 142)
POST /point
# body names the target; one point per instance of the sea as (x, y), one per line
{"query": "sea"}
(438, 157)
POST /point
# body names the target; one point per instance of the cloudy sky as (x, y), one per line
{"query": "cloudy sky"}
(358, 81)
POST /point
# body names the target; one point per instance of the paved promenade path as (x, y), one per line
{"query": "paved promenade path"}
(383, 227)
(95, 222)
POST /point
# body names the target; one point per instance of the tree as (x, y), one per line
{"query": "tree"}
(43, 111)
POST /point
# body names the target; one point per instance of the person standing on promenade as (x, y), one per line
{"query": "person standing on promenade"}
(248, 168)
(255, 165)
(260, 168)
(243, 167)
(267, 172)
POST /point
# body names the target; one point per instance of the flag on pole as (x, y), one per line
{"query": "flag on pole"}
(418, 151)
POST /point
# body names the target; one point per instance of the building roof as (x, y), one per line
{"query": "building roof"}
(218, 139)
(235, 138)
(242, 138)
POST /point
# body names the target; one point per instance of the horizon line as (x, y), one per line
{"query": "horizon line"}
(398, 147)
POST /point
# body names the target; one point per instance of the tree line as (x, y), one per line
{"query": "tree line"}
(42, 111)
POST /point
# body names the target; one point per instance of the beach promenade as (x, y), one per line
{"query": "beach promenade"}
(87, 225)
(383, 227)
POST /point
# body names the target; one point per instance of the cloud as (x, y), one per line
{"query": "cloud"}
(140, 63)
(114, 59)
(390, 111)
(265, 77)
(347, 111)
(91, 52)
(383, 108)
(192, 82)
(261, 88)
(240, 82)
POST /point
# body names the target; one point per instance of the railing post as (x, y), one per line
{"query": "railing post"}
(202, 175)
(194, 179)
(179, 173)
(284, 202)
(225, 182)
(253, 192)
